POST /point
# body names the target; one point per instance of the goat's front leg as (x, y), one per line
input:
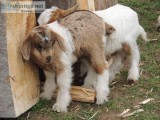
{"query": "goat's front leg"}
(64, 80)
(102, 87)
(49, 86)
(133, 75)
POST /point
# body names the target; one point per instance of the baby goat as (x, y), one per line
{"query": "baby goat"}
(55, 47)
(126, 23)
(127, 26)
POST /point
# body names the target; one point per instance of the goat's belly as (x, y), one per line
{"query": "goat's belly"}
(112, 48)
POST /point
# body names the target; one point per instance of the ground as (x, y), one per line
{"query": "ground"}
(122, 96)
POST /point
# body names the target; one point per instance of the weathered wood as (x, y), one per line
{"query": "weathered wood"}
(91, 5)
(63, 4)
(103, 4)
(19, 84)
(6, 101)
(84, 4)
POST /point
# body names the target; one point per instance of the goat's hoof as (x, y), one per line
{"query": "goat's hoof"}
(46, 95)
(132, 82)
(59, 108)
(101, 99)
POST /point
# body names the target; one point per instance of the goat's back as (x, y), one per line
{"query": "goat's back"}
(86, 27)
(123, 19)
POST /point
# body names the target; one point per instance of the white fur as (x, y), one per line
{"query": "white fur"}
(90, 80)
(65, 78)
(64, 81)
(49, 86)
(126, 23)
(102, 87)
(45, 16)
(64, 33)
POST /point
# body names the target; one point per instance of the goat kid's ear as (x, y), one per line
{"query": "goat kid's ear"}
(109, 29)
(72, 9)
(59, 13)
(26, 47)
(59, 40)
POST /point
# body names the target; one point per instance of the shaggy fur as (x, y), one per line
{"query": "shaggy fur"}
(117, 58)
(56, 46)
(127, 30)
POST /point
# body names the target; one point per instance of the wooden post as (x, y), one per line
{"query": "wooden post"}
(19, 84)
(84, 4)
(103, 4)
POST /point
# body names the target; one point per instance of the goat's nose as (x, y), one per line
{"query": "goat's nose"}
(48, 58)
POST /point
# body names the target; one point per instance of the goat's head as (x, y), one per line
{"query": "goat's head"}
(39, 45)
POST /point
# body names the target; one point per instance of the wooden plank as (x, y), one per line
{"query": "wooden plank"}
(91, 5)
(6, 101)
(19, 83)
(81, 94)
(24, 82)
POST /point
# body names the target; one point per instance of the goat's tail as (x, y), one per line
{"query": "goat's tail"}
(143, 34)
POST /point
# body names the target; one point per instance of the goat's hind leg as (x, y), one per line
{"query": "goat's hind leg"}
(133, 75)
(100, 66)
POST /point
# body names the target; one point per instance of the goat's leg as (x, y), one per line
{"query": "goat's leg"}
(64, 80)
(49, 86)
(100, 66)
(91, 79)
(133, 75)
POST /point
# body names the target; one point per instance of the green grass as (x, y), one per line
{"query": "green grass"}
(122, 97)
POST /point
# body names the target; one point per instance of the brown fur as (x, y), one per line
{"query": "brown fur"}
(59, 13)
(56, 15)
(87, 30)
(109, 29)
(126, 48)
(32, 48)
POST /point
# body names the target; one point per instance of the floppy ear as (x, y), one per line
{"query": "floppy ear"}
(59, 39)
(109, 29)
(26, 47)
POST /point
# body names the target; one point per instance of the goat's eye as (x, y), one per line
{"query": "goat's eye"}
(39, 47)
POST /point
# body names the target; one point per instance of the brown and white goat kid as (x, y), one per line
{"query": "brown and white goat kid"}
(55, 47)
(127, 26)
